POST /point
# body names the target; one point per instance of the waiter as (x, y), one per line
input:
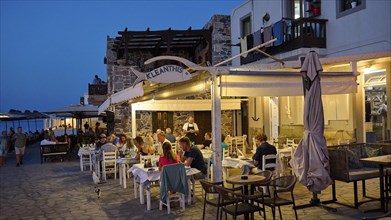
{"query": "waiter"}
(190, 129)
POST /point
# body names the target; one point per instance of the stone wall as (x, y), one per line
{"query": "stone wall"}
(221, 38)
(119, 79)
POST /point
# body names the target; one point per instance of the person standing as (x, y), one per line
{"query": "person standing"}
(190, 129)
(98, 130)
(20, 146)
(11, 143)
(3, 147)
(86, 126)
(96, 80)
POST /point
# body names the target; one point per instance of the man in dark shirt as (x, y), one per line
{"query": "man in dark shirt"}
(101, 142)
(192, 156)
(264, 148)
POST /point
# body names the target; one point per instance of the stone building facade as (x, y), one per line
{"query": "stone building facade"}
(119, 79)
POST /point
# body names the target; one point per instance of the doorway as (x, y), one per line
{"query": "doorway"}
(204, 122)
(162, 120)
(375, 99)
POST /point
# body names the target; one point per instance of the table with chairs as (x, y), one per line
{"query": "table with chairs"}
(124, 164)
(85, 156)
(147, 177)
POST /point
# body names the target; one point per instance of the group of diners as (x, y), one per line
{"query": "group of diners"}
(125, 146)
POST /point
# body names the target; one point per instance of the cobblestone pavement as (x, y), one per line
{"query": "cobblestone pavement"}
(59, 190)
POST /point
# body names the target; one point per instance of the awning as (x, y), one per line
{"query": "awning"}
(75, 111)
(185, 105)
(122, 96)
(283, 84)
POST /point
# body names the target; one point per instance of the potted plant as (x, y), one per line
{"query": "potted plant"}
(353, 3)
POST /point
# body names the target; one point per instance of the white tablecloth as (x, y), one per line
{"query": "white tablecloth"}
(147, 175)
(207, 153)
(85, 151)
(236, 162)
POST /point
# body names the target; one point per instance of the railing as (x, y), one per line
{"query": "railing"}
(297, 33)
(97, 89)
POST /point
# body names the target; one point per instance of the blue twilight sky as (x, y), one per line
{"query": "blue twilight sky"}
(51, 50)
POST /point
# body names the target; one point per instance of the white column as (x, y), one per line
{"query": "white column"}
(388, 92)
(134, 128)
(216, 128)
(359, 106)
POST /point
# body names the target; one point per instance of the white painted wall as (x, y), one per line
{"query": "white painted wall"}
(365, 31)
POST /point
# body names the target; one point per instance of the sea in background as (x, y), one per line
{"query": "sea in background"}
(37, 124)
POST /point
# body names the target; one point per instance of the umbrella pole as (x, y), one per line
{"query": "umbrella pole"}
(315, 201)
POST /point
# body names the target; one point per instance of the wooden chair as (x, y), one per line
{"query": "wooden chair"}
(85, 158)
(239, 204)
(266, 162)
(284, 184)
(173, 179)
(290, 142)
(109, 164)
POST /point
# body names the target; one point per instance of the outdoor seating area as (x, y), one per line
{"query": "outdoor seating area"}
(113, 194)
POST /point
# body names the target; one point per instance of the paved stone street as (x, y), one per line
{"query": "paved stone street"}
(59, 190)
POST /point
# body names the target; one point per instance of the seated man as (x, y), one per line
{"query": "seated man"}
(208, 139)
(264, 148)
(101, 142)
(109, 146)
(161, 139)
(47, 141)
(192, 156)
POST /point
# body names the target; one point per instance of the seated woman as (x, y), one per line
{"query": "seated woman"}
(128, 148)
(120, 145)
(148, 144)
(168, 157)
(141, 148)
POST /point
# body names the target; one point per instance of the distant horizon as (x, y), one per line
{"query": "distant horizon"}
(51, 50)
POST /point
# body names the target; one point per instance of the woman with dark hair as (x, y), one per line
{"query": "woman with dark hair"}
(169, 157)
(140, 145)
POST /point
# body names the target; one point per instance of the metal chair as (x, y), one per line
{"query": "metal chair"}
(240, 204)
(284, 184)
(209, 189)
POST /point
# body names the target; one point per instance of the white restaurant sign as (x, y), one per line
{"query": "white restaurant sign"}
(163, 74)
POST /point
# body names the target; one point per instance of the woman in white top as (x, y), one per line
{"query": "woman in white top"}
(121, 143)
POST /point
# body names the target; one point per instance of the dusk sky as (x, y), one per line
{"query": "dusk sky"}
(51, 50)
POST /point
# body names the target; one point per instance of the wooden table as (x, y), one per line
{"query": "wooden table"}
(250, 181)
(382, 161)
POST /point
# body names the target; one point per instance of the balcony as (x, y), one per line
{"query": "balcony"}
(297, 33)
(97, 89)
(97, 94)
